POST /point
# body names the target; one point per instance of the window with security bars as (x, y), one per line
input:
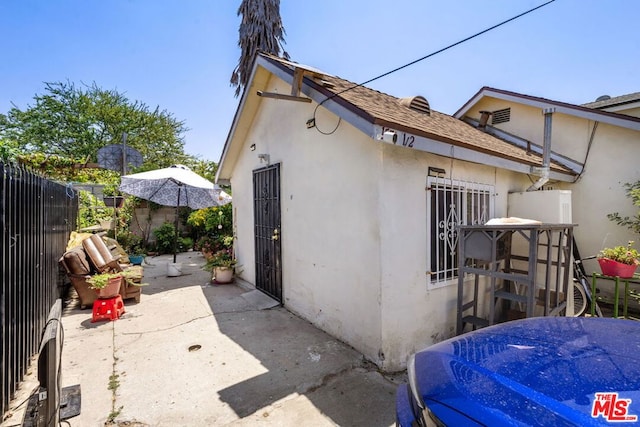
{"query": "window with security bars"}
(451, 203)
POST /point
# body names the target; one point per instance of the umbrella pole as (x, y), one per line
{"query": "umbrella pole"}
(175, 240)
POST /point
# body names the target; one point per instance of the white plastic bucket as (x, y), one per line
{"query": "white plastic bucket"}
(174, 269)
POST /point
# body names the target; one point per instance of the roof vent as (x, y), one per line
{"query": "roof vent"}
(603, 98)
(417, 103)
(501, 116)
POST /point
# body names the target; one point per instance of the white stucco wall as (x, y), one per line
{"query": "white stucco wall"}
(142, 223)
(329, 233)
(413, 316)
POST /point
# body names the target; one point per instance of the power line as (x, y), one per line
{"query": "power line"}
(416, 61)
(439, 51)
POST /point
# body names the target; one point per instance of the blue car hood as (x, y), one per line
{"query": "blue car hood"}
(539, 371)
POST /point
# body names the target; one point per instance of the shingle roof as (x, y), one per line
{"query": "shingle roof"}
(386, 110)
(611, 102)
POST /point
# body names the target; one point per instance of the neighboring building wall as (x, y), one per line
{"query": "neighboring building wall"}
(635, 112)
(631, 109)
(569, 134)
(600, 191)
(611, 163)
(143, 223)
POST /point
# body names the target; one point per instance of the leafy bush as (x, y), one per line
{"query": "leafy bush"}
(131, 243)
(90, 211)
(222, 258)
(213, 244)
(632, 223)
(184, 244)
(165, 236)
(216, 220)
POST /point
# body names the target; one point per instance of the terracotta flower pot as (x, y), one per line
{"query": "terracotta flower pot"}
(112, 289)
(613, 268)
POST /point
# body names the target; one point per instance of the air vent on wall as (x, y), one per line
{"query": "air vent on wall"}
(417, 103)
(501, 116)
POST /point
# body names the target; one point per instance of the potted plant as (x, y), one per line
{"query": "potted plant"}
(108, 284)
(207, 245)
(113, 201)
(136, 253)
(111, 197)
(222, 264)
(620, 261)
(133, 245)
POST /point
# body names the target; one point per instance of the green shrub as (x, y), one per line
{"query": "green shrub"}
(184, 244)
(165, 237)
(216, 220)
(131, 243)
(631, 222)
(91, 210)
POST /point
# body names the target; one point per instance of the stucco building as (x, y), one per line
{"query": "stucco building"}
(346, 201)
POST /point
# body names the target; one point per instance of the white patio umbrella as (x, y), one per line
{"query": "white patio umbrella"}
(176, 186)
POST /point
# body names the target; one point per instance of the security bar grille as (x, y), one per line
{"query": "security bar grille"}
(451, 203)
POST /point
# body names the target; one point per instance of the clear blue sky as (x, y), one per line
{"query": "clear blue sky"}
(180, 54)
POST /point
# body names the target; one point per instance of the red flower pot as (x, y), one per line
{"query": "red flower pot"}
(112, 289)
(613, 268)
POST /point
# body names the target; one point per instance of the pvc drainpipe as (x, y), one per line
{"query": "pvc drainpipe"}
(546, 151)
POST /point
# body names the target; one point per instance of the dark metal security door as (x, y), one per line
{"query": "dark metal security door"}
(266, 210)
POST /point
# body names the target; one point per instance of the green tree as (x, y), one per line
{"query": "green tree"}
(75, 122)
(9, 151)
(260, 30)
(205, 168)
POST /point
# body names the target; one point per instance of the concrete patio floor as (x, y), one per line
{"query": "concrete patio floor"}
(196, 354)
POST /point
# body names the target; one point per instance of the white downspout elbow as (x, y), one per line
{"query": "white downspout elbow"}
(541, 181)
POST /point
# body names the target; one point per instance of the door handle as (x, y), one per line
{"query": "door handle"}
(276, 234)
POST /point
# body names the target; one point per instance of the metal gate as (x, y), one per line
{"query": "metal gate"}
(266, 212)
(36, 218)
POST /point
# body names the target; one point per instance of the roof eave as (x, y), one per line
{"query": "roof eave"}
(615, 119)
(355, 116)
(249, 102)
(451, 149)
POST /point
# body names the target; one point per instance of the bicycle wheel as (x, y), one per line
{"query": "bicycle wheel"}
(579, 300)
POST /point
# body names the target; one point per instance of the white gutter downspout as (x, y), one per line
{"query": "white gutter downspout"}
(546, 152)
